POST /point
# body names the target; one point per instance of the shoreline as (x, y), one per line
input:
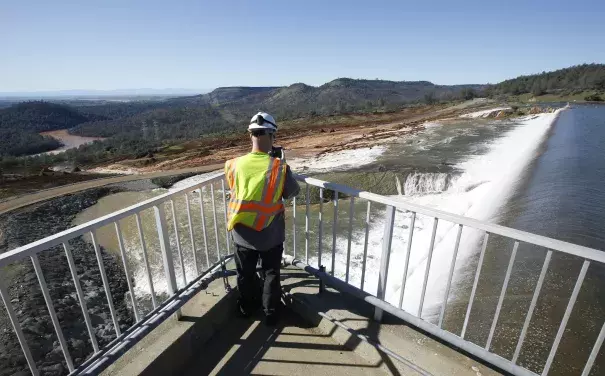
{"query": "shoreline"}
(69, 141)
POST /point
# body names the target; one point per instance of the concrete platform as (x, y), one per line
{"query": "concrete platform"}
(428, 354)
(248, 347)
(209, 339)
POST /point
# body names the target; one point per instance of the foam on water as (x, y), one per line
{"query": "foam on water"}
(192, 180)
(340, 160)
(484, 113)
(479, 192)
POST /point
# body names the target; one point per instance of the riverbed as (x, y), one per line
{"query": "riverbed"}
(69, 141)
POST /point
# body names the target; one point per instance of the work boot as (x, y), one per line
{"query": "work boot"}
(243, 309)
(271, 319)
(247, 308)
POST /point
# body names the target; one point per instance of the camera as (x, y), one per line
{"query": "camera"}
(277, 152)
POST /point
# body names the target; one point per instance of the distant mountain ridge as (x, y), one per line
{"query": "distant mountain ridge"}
(74, 93)
(144, 123)
(339, 95)
(226, 108)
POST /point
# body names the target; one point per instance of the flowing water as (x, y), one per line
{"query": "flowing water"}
(535, 174)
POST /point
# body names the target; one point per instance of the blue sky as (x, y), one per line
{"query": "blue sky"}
(107, 44)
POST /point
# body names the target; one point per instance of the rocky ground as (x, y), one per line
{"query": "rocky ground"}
(29, 224)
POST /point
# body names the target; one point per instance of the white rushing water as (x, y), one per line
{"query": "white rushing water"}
(485, 184)
(340, 160)
(484, 113)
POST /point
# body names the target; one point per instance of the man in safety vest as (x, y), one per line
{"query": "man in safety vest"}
(258, 182)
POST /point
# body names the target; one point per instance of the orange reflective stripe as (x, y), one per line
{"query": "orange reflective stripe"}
(254, 208)
(259, 222)
(267, 179)
(275, 168)
(279, 183)
(230, 167)
(262, 204)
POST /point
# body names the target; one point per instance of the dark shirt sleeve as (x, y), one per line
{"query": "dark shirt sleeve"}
(291, 187)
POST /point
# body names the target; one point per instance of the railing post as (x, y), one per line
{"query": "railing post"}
(52, 312)
(218, 247)
(179, 251)
(475, 283)
(321, 282)
(334, 222)
(351, 211)
(568, 310)
(12, 315)
(133, 299)
(227, 240)
(406, 264)
(294, 227)
(320, 229)
(203, 215)
(160, 221)
(428, 267)
(365, 245)
(307, 225)
(384, 259)
(449, 279)
(190, 224)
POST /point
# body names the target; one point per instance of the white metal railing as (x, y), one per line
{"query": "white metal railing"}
(378, 299)
(588, 255)
(32, 251)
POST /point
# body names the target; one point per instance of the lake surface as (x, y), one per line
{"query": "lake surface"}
(562, 196)
(69, 141)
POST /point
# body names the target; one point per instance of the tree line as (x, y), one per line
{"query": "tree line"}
(580, 77)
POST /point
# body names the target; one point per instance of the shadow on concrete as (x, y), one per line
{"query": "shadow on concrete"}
(334, 300)
(241, 345)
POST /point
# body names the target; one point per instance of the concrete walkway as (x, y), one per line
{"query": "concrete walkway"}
(247, 346)
(209, 339)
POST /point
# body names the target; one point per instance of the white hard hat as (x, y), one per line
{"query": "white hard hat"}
(262, 120)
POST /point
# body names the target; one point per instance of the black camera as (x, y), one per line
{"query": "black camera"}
(277, 152)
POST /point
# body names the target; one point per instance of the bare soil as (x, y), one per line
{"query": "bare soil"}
(301, 138)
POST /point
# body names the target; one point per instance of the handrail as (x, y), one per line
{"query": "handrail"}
(378, 299)
(390, 203)
(60, 237)
(32, 250)
(523, 236)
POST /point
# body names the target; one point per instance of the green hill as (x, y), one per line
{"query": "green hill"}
(21, 123)
(40, 116)
(576, 78)
(226, 108)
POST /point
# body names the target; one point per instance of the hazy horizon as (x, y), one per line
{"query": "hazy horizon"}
(102, 93)
(189, 91)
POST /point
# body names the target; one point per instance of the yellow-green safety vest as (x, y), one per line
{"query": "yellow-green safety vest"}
(256, 181)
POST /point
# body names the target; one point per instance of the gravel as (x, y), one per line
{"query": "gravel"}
(35, 222)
